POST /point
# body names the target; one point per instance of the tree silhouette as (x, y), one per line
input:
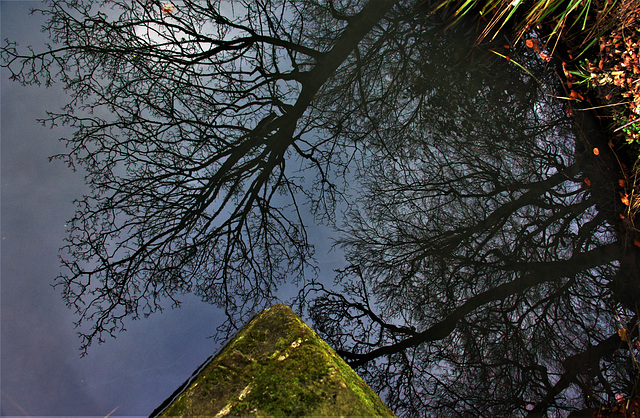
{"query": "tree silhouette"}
(484, 273)
(480, 262)
(189, 122)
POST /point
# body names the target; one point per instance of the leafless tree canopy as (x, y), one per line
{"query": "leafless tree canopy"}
(185, 124)
(480, 261)
(484, 273)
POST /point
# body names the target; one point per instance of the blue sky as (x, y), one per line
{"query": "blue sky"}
(42, 372)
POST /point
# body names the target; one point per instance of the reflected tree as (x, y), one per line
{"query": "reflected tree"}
(480, 261)
(190, 122)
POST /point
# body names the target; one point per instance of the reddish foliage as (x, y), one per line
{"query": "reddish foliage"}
(623, 408)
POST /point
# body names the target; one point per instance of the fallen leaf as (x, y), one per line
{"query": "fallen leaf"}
(587, 181)
(596, 151)
(622, 333)
(529, 43)
(624, 199)
(636, 243)
(621, 182)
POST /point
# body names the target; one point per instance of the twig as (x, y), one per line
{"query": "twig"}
(600, 107)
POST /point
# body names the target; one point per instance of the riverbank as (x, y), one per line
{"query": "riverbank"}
(597, 43)
(601, 74)
(597, 58)
(605, 78)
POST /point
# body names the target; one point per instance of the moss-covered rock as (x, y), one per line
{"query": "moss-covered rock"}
(276, 366)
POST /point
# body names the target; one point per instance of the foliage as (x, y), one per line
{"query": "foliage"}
(561, 15)
(630, 128)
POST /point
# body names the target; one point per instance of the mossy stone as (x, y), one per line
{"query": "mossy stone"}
(276, 366)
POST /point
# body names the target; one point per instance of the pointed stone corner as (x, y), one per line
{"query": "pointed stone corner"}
(275, 366)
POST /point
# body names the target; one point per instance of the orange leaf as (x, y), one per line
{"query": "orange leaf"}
(587, 181)
(529, 43)
(596, 151)
(636, 243)
(610, 144)
(621, 182)
(621, 216)
(625, 199)
(623, 334)
(575, 95)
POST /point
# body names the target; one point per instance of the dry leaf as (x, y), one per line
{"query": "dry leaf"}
(575, 95)
(623, 334)
(625, 199)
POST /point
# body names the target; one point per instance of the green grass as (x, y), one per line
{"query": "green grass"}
(562, 16)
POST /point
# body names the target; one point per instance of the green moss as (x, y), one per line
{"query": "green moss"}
(278, 366)
(290, 386)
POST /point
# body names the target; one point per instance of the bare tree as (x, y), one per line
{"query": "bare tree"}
(186, 118)
(480, 261)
